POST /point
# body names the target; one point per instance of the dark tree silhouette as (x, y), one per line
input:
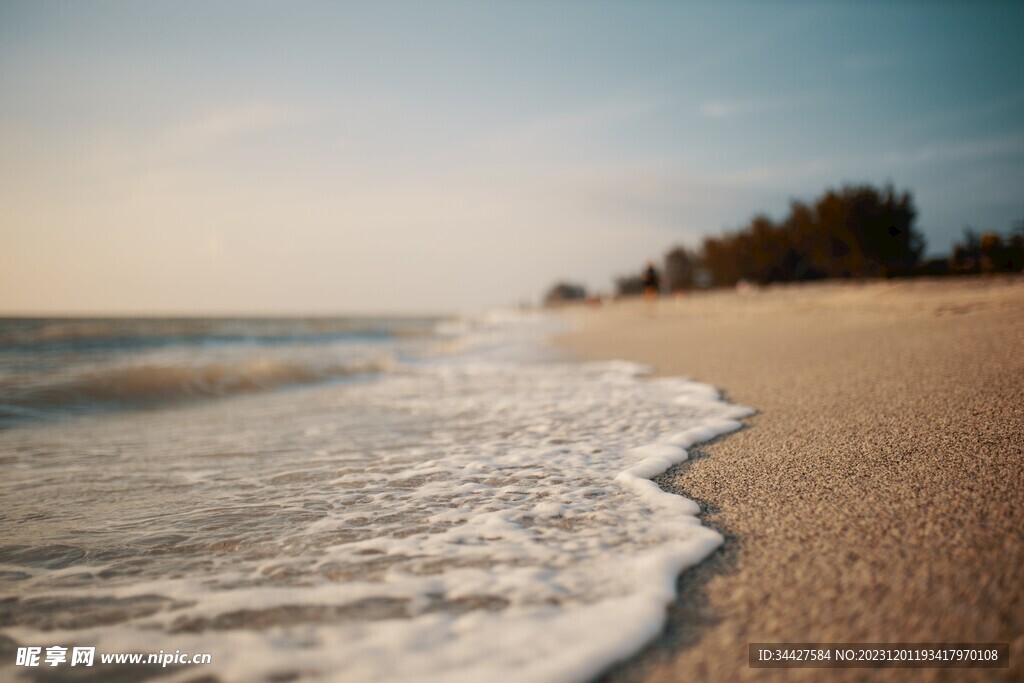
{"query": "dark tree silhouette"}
(966, 256)
(629, 285)
(855, 231)
(680, 269)
(989, 252)
(563, 292)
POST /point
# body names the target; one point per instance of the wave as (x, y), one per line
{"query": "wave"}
(102, 334)
(142, 385)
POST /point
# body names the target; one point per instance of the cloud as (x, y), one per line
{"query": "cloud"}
(162, 148)
(555, 129)
(727, 109)
(235, 121)
(663, 195)
(960, 150)
(760, 175)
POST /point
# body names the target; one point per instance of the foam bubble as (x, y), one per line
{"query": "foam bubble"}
(483, 515)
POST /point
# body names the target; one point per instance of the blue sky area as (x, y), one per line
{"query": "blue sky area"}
(341, 157)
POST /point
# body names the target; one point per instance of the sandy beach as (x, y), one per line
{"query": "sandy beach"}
(878, 494)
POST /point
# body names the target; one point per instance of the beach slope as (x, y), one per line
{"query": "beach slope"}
(878, 495)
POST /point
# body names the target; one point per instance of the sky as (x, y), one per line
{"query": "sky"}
(346, 157)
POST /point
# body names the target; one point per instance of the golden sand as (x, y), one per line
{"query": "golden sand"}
(878, 496)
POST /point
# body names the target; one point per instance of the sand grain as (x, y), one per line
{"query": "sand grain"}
(878, 496)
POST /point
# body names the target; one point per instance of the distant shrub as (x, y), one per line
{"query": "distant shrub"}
(629, 285)
(563, 292)
(680, 269)
(989, 252)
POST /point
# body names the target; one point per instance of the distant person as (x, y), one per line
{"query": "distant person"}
(652, 284)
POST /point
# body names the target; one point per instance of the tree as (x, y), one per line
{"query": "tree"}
(989, 252)
(564, 292)
(680, 269)
(881, 226)
(855, 231)
(718, 257)
(966, 256)
(629, 285)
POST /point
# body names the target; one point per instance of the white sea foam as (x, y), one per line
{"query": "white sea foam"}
(487, 514)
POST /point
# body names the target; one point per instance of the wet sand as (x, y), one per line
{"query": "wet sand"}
(878, 495)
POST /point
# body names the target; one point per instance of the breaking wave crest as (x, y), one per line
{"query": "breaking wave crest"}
(154, 384)
(484, 514)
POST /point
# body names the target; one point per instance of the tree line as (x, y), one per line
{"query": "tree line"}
(856, 231)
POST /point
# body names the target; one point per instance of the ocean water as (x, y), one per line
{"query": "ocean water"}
(340, 500)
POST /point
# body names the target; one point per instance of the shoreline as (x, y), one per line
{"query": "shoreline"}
(877, 495)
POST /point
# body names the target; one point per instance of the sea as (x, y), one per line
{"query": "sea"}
(336, 499)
